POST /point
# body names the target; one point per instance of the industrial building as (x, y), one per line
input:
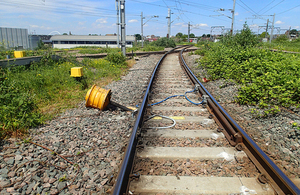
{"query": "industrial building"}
(71, 41)
(35, 39)
(14, 38)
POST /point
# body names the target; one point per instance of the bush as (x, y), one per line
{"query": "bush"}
(266, 78)
(280, 39)
(164, 42)
(18, 109)
(244, 39)
(31, 95)
(116, 58)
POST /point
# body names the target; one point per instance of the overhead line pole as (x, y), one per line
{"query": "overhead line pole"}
(169, 23)
(267, 28)
(232, 21)
(271, 37)
(118, 22)
(142, 31)
(123, 33)
(189, 29)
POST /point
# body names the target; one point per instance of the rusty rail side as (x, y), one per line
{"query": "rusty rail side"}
(121, 185)
(237, 136)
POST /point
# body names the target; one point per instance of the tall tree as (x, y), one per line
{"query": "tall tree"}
(192, 35)
(179, 35)
(138, 37)
(294, 32)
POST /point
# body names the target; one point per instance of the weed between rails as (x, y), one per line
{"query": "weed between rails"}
(31, 95)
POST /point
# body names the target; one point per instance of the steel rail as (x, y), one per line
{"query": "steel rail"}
(123, 178)
(269, 170)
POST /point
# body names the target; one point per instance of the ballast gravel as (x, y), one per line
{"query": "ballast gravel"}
(93, 142)
(80, 151)
(275, 134)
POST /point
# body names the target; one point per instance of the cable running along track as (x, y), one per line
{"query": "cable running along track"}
(178, 145)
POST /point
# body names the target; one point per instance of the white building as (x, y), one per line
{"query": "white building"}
(71, 41)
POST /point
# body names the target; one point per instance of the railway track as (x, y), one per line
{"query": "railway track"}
(190, 145)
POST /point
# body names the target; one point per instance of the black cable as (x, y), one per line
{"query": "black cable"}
(31, 6)
(266, 6)
(273, 7)
(249, 8)
(289, 9)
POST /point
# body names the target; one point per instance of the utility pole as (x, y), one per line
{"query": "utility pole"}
(267, 28)
(289, 33)
(117, 4)
(271, 37)
(189, 29)
(123, 35)
(142, 31)
(232, 21)
(142, 26)
(169, 23)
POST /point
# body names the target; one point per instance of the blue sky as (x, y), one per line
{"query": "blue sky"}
(83, 17)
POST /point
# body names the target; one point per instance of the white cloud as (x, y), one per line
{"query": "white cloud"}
(40, 27)
(236, 13)
(201, 24)
(101, 20)
(279, 22)
(179, 24)
(81, 23)
(132, 21)
(253, 26)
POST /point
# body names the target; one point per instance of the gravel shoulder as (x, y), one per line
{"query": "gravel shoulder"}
(274, 134)
(87, 145)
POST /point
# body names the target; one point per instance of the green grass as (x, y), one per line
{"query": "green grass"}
(31, 95)
(285, 46)
(282, 43)
(267, 79)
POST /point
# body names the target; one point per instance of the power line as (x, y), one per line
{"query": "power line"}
(58, 9)
(289, 9)
(266, 6)
(175, 9)
(273, 6)
(78, 5)
(249, 8)
(97, 8)
(190, 3)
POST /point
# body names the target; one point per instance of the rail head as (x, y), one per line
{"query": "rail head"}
(237, 136)
(123, 178)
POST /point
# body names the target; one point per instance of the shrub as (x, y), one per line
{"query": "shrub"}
(116, 58)
(280, 39)
(18, 109)
(164, 42)
(29, 95)
(266, 78)
(246, 38)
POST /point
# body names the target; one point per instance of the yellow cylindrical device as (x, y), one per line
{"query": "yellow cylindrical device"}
(97, 97)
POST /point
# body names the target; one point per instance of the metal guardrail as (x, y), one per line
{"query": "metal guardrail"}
(28, 60)
(23, 61)
(237, 136)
